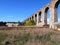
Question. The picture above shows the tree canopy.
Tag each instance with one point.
(29, 23)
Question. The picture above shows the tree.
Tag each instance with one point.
(30, 23)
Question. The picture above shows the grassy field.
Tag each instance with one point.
(29, 36)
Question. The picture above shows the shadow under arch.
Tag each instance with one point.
(40, 16)
(36, 18)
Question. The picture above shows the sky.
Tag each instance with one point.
(19, 10)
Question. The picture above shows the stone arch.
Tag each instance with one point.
(32, 18)
(47, 15)
(40, 16)
(46, 9)
(57, 3)
(35, 18)
(56, 10)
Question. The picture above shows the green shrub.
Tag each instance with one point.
(30, 23)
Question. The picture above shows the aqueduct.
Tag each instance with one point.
(40, 17)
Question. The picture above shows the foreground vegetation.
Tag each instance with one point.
(28, 37)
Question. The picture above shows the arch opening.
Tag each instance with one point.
(35, 18)
(47, 17)
(32, 18)
(57, 11)
(40, 17)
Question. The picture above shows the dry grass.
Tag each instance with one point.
(32, 36)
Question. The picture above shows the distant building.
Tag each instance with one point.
(12, 24)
